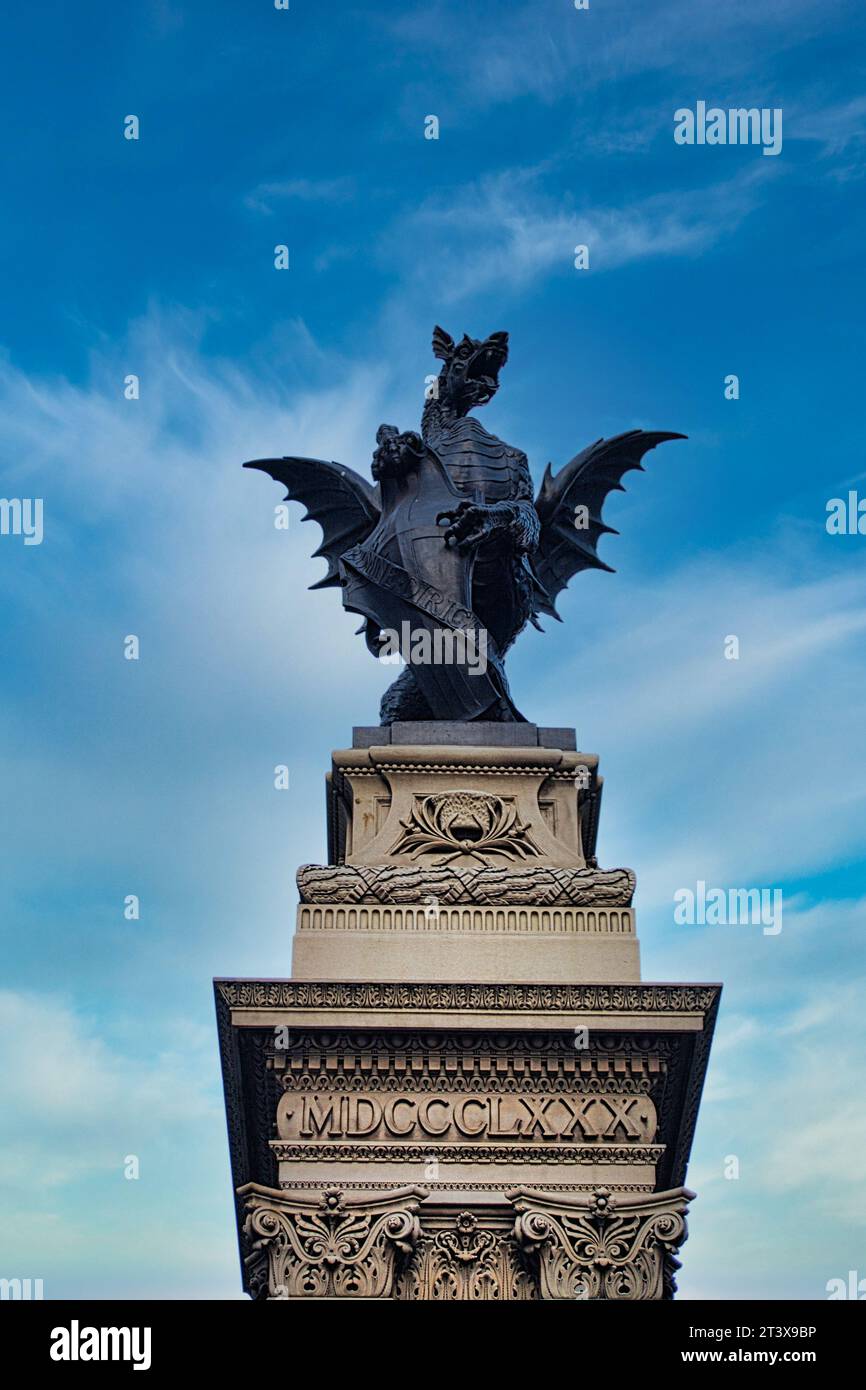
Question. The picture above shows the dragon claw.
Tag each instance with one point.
(470, 524)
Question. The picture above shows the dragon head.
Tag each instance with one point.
(470, 371)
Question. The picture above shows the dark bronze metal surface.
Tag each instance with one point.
(448, 543)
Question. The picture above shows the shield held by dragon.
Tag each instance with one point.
(448, 542)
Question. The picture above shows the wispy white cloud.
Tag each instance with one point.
(742, 748)
(546, 50)
(505, 229)
(839, 131)
(77, 1106)
(784, 1103)
(104, 1100)
(265, 195)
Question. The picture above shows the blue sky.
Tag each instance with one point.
(155, 777)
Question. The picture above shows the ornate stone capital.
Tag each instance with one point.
(602, 1246)
(328, 1245)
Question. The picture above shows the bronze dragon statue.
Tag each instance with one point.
(446, 555)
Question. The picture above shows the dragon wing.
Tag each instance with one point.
(345, 505)
(564, 549)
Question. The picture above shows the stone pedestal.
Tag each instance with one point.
(464, 1091)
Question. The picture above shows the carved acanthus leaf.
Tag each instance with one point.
(602, 1246)
(332, 1247)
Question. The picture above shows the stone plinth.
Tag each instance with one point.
(463, 861)
(464, 1091)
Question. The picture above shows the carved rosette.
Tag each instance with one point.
(337, 1248)
(603, 1247)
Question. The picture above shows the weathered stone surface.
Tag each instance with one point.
(464, 861)
(478, 1117)
(474, 919)
(467, 1256)
(345, 941)
(460, 1141)
(326, 1246)
(482, 885)
(644, 1004)
(464, 805)
(603, 1246)
(594, 1245)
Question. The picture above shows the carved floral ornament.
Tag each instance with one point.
(598, 1247)
(648, 999)
(468, 823)
(604, 1251)
(338, 1250)
(467, 1263)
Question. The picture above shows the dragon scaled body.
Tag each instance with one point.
(449, 541)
